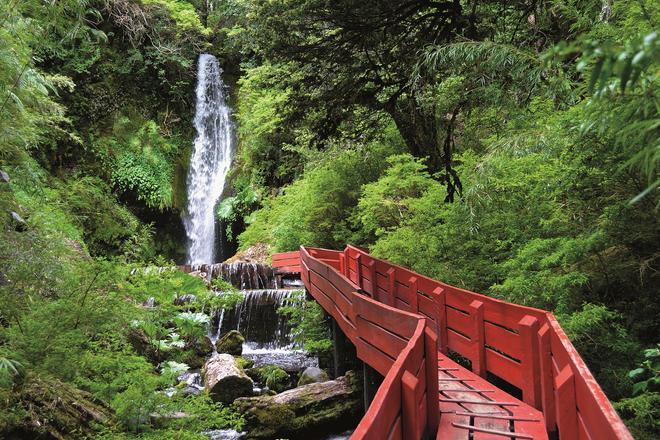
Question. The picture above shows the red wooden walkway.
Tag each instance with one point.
(404, 325)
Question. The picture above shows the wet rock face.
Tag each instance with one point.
(240, 274)
(312, 375)
(303, 412)
(231, 343)
(225, 380)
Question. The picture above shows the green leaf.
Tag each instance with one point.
(595, 73)
(639, 388)
(635, 373)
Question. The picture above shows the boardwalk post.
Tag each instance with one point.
(358, 270)
(391, 286)
(566, 406)
(338, 349)
(440, 298)
(431, 364)
(528, 327)
(412, 282)
(370, 384)
(372, 274)
(410, 419)
(547, 388)
(479, 349)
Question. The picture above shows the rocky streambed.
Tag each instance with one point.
(248, 360)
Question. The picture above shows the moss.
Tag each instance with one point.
(48, 407)
(231, 343)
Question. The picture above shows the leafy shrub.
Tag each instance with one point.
(308, 325)
(316, 209)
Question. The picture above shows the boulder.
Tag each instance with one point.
(184, 299)
(19, 224)
(150, 303)
(273, 376)
(312, 375)
(204, 346)
(225, 380)
(4, 177)
(231, 343)
(304, 412)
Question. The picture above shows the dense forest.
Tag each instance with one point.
(507, 147)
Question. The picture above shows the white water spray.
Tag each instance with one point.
(210, 160)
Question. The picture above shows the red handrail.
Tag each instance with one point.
(395, 343)
(521, 345)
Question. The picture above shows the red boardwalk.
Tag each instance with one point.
(405, 326)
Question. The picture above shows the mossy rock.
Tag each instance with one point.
(245, 364)
(231, 343)
(273, 376)
(304, 412)
(48, 408)
(312, 375)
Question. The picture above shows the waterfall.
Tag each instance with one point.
(210, 160)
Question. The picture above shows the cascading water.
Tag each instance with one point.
(210, 160)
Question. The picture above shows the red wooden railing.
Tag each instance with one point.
(286, 262)
(399, 320)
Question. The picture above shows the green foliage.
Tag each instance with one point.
(274, 377)
(385, 204)
(134, 405)
(184, 15)
(642, 415)
(313, 210)
(192, 325)
(308, 325)
(647, 375)
(143, 164)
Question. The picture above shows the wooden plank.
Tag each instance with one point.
(412, 294)
(459, 322)
(431, 359)
(583, 431)
(385, 409)
(458, 343)
(502, 340)
(396, 432)
(396, 321)
(380, 338)
(566, 407)
(529, 362)
(410, 387)
(371, 355)
(293, 261)
(288, 269)
(478, 346)
(504, 367)
(285, 255)
(391, 286)
(547, 383)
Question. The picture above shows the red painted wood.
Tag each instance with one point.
(547, 382)
(412, 424)
(566, 407)
(502, 340)
(524, 346)
(459, 321)
(530, 369)
(384, 340)
(478, 347)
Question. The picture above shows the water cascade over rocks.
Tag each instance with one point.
(210, 160)
(244, 276)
